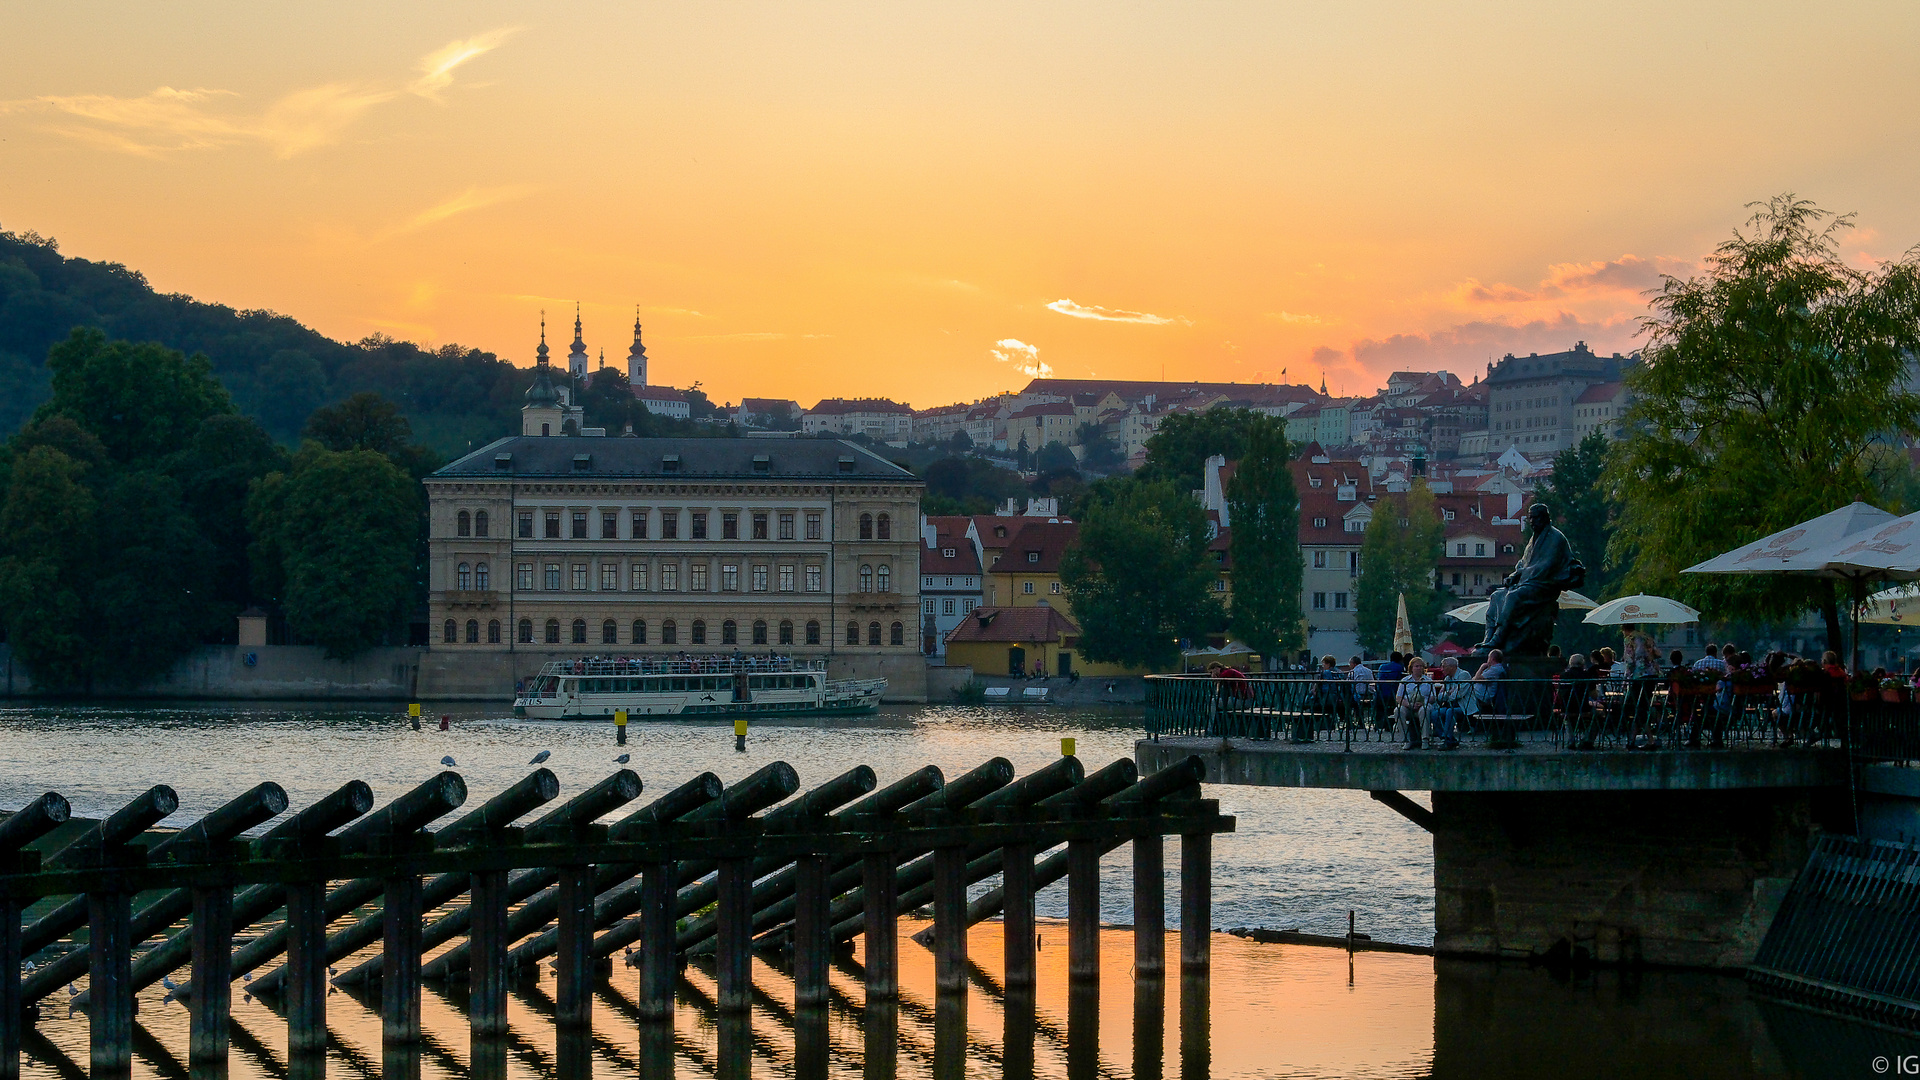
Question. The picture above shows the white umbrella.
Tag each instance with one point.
(1891, 552)
(1402, 629)
(1796, 550)
(1893, 607)
(1477, 612)
(1641, 608)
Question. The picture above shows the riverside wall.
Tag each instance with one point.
(462, 675)
(259, 673)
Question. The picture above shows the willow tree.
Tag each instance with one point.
(1264, 510)
(1771, 386)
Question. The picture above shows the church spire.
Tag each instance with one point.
(577, 355)
(637, 355)
(542, 352)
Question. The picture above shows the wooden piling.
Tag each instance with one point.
(881, 927)
(658, 963)
(110, 973)
(1196, 903)
(949, 919)
(487, 947)
(811, 924)
(812, 1049)
(1149, 1027)
(210, 1006)
(1083, 911)
(11, 1020)
(306, 984)
(734, 958)
(573, 966)
(880, 1026)
(400, 970)
(1016, 877)
(1149, 908)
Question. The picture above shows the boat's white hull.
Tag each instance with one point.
(837, 699)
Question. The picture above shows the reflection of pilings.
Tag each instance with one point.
(349, 801)
(1196, 1048)
(880, 1025)
(1083, 1030)
(950, 1033)
(1018, 1011)
(1149, 1027)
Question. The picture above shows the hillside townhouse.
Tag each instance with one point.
(951, 582)
(876, 418)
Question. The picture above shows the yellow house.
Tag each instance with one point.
(1021, 641)
(1026, 573)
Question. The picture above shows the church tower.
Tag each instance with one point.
(577, 357)
(637, 355)
(543, 413)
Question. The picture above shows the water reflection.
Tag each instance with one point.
(1266, 1010)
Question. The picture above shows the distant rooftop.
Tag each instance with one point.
(575, 456)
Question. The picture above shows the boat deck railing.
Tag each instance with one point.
(722, 664)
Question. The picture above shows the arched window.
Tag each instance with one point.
(526, 631)
(482, 580)
(866, 526)
(898, 635)
(873, 633)
(669, 633)
(473, 631)
(698, 634)
(609, 633)
(553, 631)
(449, 633)
(579, 631)
(853, 633)
(639, 631)
(464, 576)
(759, 631)
(493, 631)
(480, 525)
(786, 631)
(729, 633)
(464, 526)
(813, 633)
(886, 527)
(866, 578)
(885, 583)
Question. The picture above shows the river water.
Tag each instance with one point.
(1299, 859)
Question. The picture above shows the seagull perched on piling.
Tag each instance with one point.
(167, 982)
(540, 757)
(623, 759)
(448, 761)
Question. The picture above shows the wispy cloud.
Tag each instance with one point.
(1293, 317)
(474, 198)
(436, 68)
(1089, 311)
(1025, 358)
(167, 120)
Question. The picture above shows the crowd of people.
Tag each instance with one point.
(1633, 696)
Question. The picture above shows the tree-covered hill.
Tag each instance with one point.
(275, 369)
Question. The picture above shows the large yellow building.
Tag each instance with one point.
(1023, 641)
(1026, 572)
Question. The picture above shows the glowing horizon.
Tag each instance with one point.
(932, 204)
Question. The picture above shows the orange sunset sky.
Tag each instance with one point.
(934, 202)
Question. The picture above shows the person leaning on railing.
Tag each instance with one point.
(1585, 710)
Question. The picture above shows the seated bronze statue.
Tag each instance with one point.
(1520, 617)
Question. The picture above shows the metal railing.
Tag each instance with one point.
(1580, 714)
(717, 664)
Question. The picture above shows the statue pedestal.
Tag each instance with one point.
(1527, 697)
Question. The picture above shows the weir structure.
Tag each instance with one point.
(1601, 822)
(704, 868)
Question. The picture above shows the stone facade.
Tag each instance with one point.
(564, 546)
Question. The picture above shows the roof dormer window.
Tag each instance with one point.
(1033, 556)
(946, 553)
(583, 463)
(670, 463)
(503, 462)
(846, 464)
(762, 463)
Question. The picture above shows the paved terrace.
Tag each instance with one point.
(1538, 766)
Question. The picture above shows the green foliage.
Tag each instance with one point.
(1769, 381)
(1102, 451)
(1056, 458)
(1139, 579)
(141, 401)
(1265, 544)
(276, 369)
(337, 536)
(1178, 452)
(150, 585)
(368, 421)
(968, 485)
(43, 569)
(1398, 556)
(1577, 495)
(215, 472)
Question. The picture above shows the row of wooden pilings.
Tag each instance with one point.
(803, 874)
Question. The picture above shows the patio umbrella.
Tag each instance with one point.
(1892, 607)
(1857, 543)
(1402, 629)
(1477, 612)
(1641, 608)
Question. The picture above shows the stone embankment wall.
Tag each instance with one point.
(458, 675)
(262, 673)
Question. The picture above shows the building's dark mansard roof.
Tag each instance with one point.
(576, 457)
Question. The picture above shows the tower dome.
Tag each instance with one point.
(637, 354)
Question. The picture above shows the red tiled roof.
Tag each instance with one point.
(1019, 625)
(962, 561)
(659, 393)
(1598, 392)
(1049, 539)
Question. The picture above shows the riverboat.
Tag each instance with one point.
(701, 687)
